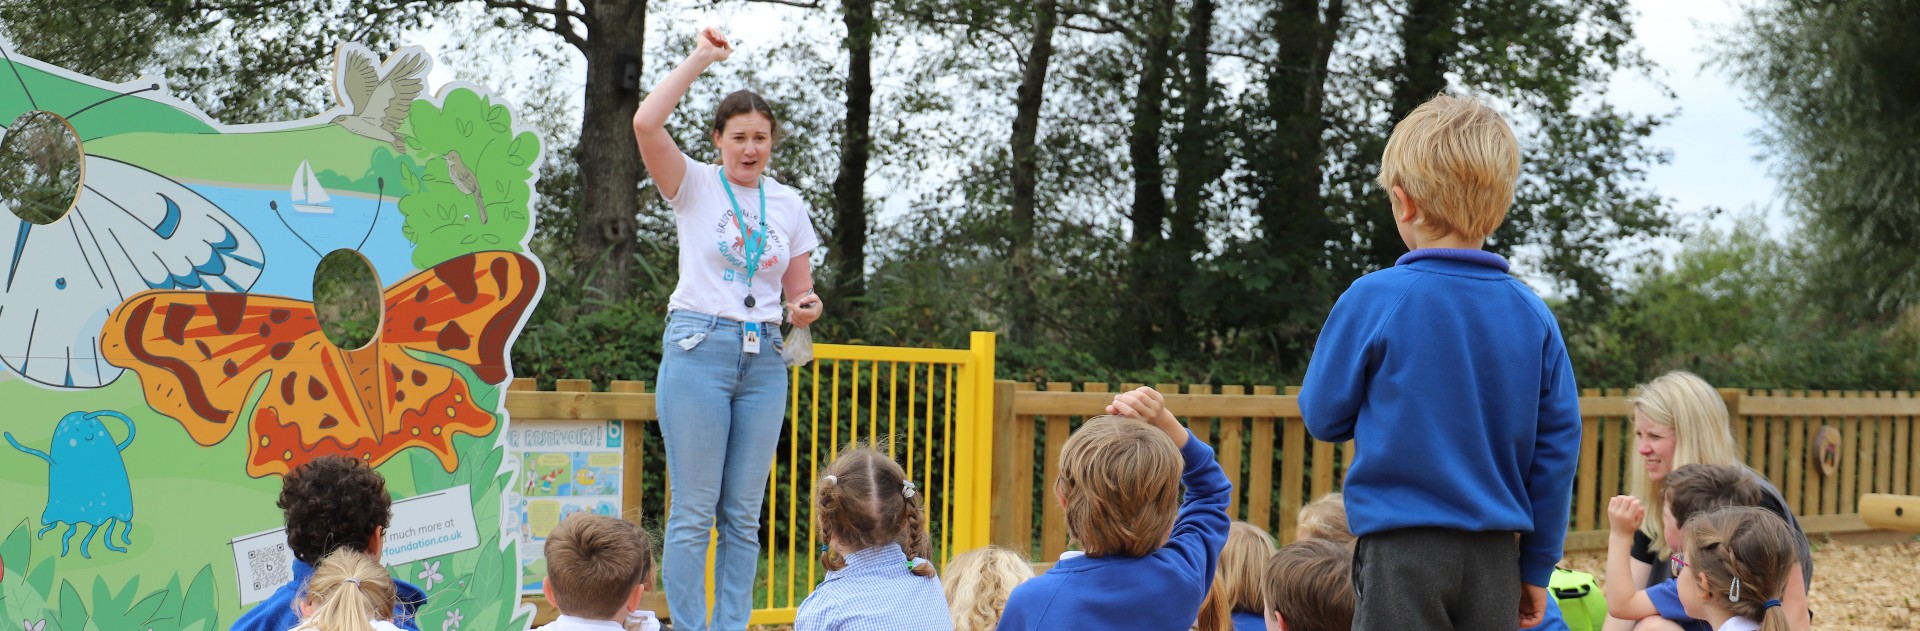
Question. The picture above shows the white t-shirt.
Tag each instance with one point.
(570, 623)
(712, 253)
(378, 625)
(1740, 623)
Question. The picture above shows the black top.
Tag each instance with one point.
(1643, 545)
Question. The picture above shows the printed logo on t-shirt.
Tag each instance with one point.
(733, 246)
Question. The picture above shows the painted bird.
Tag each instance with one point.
(466, 181)
(380, 101)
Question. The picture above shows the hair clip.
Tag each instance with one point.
(355, 581)
(915, 562)
(1733, 591)
(823, 548)
(907, 489)
(829, 479)
(1770, 604)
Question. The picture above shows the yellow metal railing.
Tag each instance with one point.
(936, 406)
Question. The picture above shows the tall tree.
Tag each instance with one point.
(1834, 83)
(1045, 17)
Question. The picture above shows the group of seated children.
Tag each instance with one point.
(1736, 562)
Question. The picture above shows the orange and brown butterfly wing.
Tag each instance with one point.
(199, 354)
(465, 309)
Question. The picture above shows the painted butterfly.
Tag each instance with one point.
(209, 359)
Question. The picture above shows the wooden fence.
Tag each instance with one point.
(1276, 467)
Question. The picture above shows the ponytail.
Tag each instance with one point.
(349, 590)
(1746, 555)
(864, 500)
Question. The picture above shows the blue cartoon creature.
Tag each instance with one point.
(86, 479)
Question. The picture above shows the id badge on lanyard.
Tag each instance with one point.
(754, 244)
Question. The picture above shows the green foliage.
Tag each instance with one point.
(1834, 82)
(27, 594)
(480, 585)
(442, 221)
(1737, 308)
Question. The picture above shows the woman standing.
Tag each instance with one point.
(745, 242)
(1678, 420)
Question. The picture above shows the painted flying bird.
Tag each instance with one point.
(466, 181)
(380, 102)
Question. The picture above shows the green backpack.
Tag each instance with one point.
(1581, 603)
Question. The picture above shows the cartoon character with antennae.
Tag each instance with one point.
(86, 479)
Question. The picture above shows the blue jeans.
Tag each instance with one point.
(720, 415)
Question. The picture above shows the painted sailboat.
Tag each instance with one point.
(308, 196)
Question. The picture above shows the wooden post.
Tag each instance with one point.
(633, 459)
(1012, 473)
(1891, 512)
(1292, 472)
(1053, 518)
(1260, 463)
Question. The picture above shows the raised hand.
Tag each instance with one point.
(712, 45)
(1624, 513)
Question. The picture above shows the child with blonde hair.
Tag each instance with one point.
(875, 550)
(1452, 380)
(348, 591)
(1150, 553)
(1324, 518)
(977, 583)
(1736, 568)
(1234, 602)
(598, 568)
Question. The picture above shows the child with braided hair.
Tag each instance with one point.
(878, 578)
(1736, 568)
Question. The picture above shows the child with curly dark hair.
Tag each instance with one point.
(332, 503)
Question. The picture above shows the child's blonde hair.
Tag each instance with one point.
(1120, 479)
(1458, 160)
(1747, 555)
(594, 562)
(1324, 518)
(978, 582)
(864, 499)
(1310, 584)
(1238, 578)
(1696, 413)
(348, 591)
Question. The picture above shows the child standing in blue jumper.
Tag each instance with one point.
(1452, 380)
(1150, 554)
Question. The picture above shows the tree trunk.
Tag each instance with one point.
(1429, 37)
(1296, 92)
(1026, 127)
(848, 252)
(1197, 161)
(609, 160)
(1150, 266)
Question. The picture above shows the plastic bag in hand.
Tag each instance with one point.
(799, 346)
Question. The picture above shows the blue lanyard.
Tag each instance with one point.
(753, 245)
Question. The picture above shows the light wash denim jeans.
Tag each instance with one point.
(720, 415)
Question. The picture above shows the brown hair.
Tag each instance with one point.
(1310, 583)
(978, 582)
(740, 103)
(1458, 160)
(1325, 518)
(1700, 488)
(1237, 578)
(1749, 545)
(593, 562)
(1120, 479)
(864, 500)
(348, 590)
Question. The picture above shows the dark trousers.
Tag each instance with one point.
(1435, 578)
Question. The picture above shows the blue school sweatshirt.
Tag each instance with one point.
(277, 612)
(1452, 380)
(1160, 591)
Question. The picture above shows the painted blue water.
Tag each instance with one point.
(294, 241)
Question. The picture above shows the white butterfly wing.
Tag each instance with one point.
(132, 230)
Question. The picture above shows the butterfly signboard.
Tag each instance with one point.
(162, 361)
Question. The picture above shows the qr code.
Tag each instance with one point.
(269, 567)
